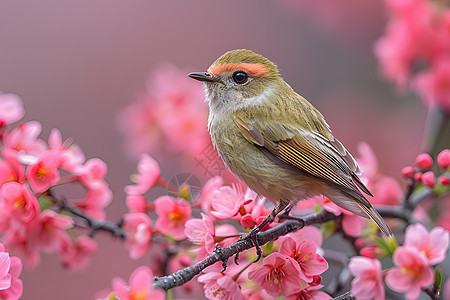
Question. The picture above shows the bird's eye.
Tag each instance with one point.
(240, 77)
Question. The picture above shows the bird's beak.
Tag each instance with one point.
(203, 76)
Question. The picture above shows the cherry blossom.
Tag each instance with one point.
(172, 215)
(139, 229)
(368, 282)
(411, 274)
(279, 275)
(139, 286)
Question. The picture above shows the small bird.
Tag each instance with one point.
(275, 141)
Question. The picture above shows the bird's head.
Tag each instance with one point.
(238, 79)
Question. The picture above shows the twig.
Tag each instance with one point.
(182, 276)
(94, 224)
(346, 296)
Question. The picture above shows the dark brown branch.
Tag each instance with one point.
(94, 224)
(182, 276)
(346, 296)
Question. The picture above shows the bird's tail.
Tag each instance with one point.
(375, 216)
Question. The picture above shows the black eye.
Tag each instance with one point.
(240, 77)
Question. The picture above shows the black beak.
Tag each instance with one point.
(202, 76)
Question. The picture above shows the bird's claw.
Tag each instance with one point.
(218, 250)
(252, 236)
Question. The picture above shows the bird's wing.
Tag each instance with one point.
(309, 153)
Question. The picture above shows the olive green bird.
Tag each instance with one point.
(275, 141)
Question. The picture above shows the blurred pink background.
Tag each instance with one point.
(77, 64)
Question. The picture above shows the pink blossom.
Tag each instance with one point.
(149, 172)
(310, 233)
(49, 231)
(428, 179)
(219, 285)
(6, 172)
(445, 181)
(24, 140)
(172, 215)
(412, 272)
(207, 192)
(136, 203)
(139, 287)
(228, 201)
(279, 275)
(76, 254)
(310, 292)
(11, 109)
(201, 232)
(408, 172)
(17, 201)
(11, 286)
(434, 85)
(139, 234)
(98, 194)
(443, 159)
(167, 116)
(424, 161)
(303, 251)
(433, 244)
(44, 173)
(368, 282)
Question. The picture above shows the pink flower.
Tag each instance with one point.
(201, 232)
(139, 287)
(368, 282)
(408, 172)
(424, 161)
(309, 293)
(17, 201)
(434, 85)
(428, 179)
(139, 229)
(303, 251)
(50, 230)
(433, 244)
(98, 194)
(173, 214)
(443, 159)
(278, 276)
(149, 172)
(207, 192)
(310, 233)
(218, 285)
(136, 203)
(6, 172)
(44, 173)
(228, 201)
(24, 140)
(412, 272)
(11, 286)
(11, 109)
(76, 254)
(167, 116)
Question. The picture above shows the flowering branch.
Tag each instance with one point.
(223, 254)
(113, 227)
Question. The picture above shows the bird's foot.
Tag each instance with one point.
(252, 236)
(218, 250)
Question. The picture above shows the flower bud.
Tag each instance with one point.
(424, 161)
(443, 159)
(408, 172)
(444, 181)
(418, 177)
(428, 179)
(247, 221)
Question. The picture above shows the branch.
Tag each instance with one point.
(182, 276)
(94, 224)
(346, 296)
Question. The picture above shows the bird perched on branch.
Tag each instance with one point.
(275, 141)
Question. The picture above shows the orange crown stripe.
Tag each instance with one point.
(251, 69)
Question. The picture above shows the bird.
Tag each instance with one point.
(275, 141)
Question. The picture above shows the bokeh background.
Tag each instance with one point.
(78, 64)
